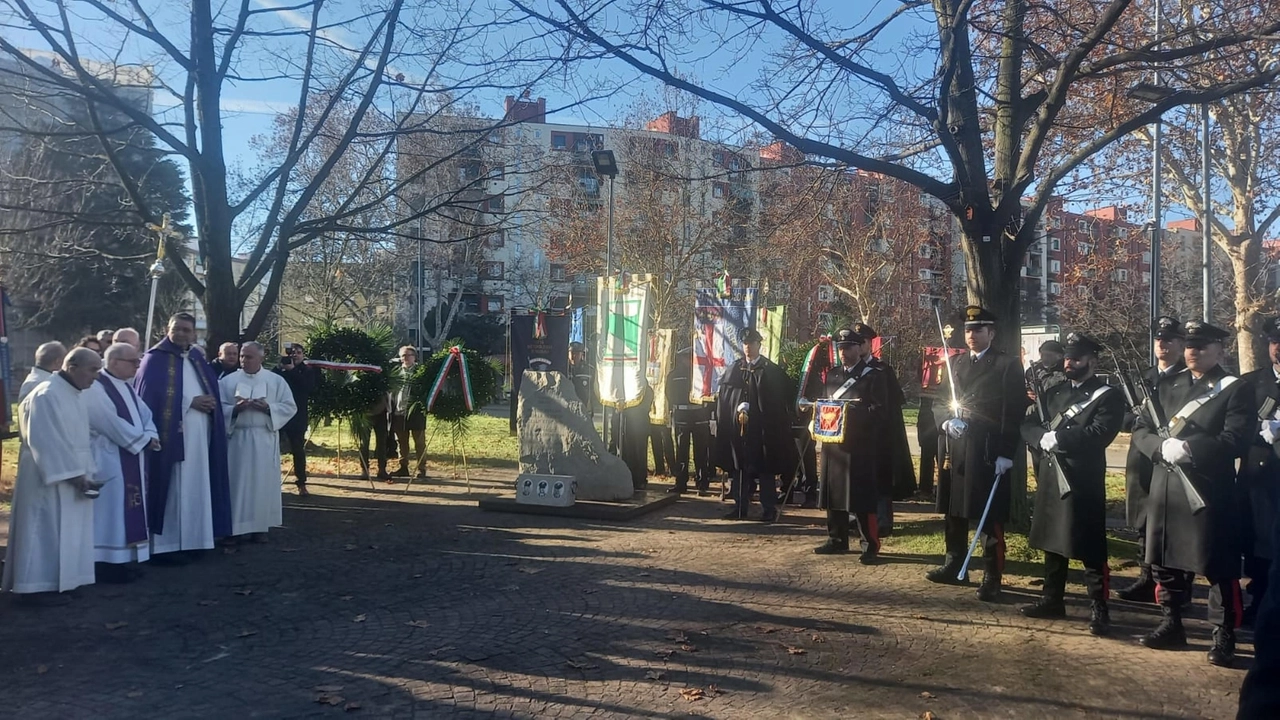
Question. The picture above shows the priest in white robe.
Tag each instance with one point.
(49, 358)
(122, 429)
(257, 403)
(51, 526)
(188, 498)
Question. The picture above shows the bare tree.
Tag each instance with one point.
(988, 119)
(372, 61)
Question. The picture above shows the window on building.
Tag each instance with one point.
(926, 275)
(491, 270)
(1084, 248)
(925, 302)
(1082, 226)
(1122, 275)
(497, 239)
(1146, 278)
(1055, 244)
(1055, 222)
(1055, 288)
(781, 290)
(1055, 266)
(498, 172)
(826, 293)
(558, 272)
(559, 141)
(926, 251)
(717, 158)
(718, 190)
(493, 304)
(495, 204)
(735, 163)
(1146, 258)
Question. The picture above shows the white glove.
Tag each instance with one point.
(1270, 431)
(1003, 465)
(713, 424)
(955, 428)
(1175, 451)
(1049, 441)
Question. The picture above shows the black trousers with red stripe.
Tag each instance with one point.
(838, 528)
(869, 529)
(991, 537)
(1173, 589)
(1097, 578)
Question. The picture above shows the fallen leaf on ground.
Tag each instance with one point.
(228, 551)
(373, 547)
(766, 630)
(576, 665)
(346, 597)
(419, 575)
(333, 700)
(688, 648)
(664, 654)
(348, 546)
(359, 618)
(328, 688)
(590, 591)
(116, 625)
(714, 690)
(654, 675)
(247, 633)
(692, 694)
(288, 549)
(818, 638)
(644, 574)
(918, 617)
(927, 695)
(680, 637)
(352, 706)
(244, 591)
(133, 694)
(42, 669)
(207, 603)
(796, 651)
(928, 715)
(418, 623)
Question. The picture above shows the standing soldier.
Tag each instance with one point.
(1168, 346)
(753, 436)
(982, 438)
(692, 423)
(898, 473)
(583, 377)
(1211, 421)
(1085, 416)
(852, 430)
(1260, 477)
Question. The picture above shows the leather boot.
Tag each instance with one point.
(1100, 619)
(832, 547)
(989, 590)
(1143, 589)
(1224, 647)
(1169, 634)
(948, 573)
(1045, 608)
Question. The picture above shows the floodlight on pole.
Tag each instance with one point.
(607, 166)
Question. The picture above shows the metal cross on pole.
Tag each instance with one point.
(163, 232)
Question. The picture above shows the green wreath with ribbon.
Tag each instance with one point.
(452, 384)
(341, 394)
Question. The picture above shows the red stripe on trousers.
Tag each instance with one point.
(873, 530)
(1237, 604)
(1106, 581)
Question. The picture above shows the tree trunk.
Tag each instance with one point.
(1246, 269)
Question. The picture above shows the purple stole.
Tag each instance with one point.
(135, 516)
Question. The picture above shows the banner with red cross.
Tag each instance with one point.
(718, 323)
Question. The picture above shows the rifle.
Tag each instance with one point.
(1052, 424)
(1145, 404)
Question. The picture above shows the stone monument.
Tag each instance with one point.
(557, 438)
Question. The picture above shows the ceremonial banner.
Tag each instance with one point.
(829, 418)
(622, 324)
(656, 373)
(539, 341)
(577, 325)
(6, 362)
(717, 324)
(770, 322)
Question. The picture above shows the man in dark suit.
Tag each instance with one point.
(692, 422)
(851, 467)
(1086, 416)
(301, 379)
(754, 406)
(1168, 346)
(1213, 420)
(1259, 477)
(982, 439)
(898, 470)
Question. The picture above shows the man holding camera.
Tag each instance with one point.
(301, 379)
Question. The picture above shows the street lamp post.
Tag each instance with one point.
(1206, 229)
(606, 165)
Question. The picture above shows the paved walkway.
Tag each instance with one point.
(380, 604)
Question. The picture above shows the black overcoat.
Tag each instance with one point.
(1137, 467)
(1075, 527)
(771, 395)
(1259, 477)
(1218, 433)
(898, 468)
(993, 402)
(852, 470)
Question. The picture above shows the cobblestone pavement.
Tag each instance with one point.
(382, 604)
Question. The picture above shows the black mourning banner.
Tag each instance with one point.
(539, 341)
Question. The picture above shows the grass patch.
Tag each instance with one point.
(486, 443)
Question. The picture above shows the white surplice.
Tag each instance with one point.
(253, 450)
(34, 378)
(110, 433)
(188, 511)
(51, 526)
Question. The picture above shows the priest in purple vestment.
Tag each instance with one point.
(188, 493)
